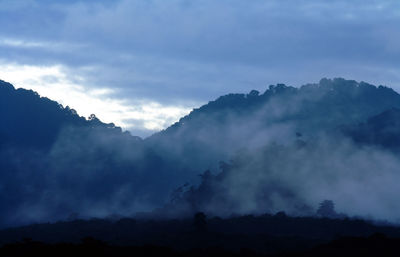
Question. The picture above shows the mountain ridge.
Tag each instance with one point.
(26, 116)
(68, 164)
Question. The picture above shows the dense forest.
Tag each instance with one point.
(264, 235)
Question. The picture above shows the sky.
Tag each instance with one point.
(143, 64)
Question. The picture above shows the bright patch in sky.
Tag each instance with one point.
(28, 44)
(137, 115)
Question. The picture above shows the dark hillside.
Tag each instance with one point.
(284, 148)
(234, 121)
(31, 121)
(382, 130)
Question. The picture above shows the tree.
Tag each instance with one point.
(327, 209)
(200, 222)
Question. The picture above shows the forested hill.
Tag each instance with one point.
(330, 102)
(280, 151)
(54, 162)
(234, 121)
(28, 120)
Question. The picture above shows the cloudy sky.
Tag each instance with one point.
(142, 64)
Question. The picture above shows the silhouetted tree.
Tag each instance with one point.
(281, 215)
(327, 209)
(200, 222)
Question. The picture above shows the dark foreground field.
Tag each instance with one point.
(266, 235)
(376, 245)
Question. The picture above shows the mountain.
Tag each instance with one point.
(31, 121)
(288, 149)
(235, 121)
(54, 162)
(328, 104)
(285, 149)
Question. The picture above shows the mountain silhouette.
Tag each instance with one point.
(237, 121)
(55, 163)
(31, 121)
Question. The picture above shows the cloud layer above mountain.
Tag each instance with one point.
(179, 54)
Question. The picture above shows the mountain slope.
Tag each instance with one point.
(234, 121)
(382, 130)
(54, 162)
(29, 120)
(286, 147)
(330, 102)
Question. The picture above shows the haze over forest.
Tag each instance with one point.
(199, 128)
(284, 149)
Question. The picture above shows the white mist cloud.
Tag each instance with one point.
(40, 45)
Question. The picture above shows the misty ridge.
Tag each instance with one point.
(286, 149)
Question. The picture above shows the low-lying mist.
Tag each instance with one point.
(286, 149)
(361, 180)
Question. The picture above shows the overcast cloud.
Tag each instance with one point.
(167, 57)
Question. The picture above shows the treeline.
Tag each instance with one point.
(266, 235)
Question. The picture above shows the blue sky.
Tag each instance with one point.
(144, 63)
